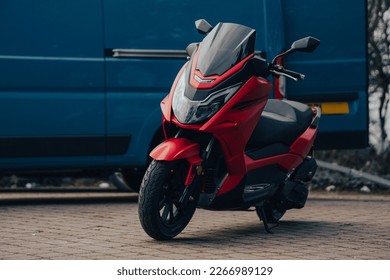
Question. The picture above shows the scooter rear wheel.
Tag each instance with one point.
(161, 212)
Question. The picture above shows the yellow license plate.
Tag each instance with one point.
(333, 108)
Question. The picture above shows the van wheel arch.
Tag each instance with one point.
(133, 177)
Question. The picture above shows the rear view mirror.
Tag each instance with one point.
(307, 44)
(203, 26)
(191, 48)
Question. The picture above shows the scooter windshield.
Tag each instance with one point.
(225, 46)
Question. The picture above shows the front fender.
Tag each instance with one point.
(177, 148)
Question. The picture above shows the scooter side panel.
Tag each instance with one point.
(305, 142)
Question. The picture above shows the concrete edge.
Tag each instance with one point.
(64, 198)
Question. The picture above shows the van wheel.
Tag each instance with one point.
(133, 178)
(126, 182)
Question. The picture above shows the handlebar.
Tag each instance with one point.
(279, 70)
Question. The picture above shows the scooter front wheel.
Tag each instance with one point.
(163, 207)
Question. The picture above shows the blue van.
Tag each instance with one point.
(81, 80)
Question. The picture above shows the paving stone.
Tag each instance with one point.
(336, 227)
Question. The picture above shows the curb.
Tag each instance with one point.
(65, 198)
(354, 196)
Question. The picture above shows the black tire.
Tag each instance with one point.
(161, 213)
(270, 212)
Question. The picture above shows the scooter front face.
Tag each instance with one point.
(228, 130)
(223, 102)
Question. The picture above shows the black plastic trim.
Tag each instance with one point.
(63, 146)
(268, 151)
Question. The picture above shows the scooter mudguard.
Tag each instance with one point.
(179, 148)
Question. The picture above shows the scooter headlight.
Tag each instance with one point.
(189, 111)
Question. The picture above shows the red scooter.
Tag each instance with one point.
(227, 145)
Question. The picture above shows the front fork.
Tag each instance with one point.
(182, 148)
(195, 172)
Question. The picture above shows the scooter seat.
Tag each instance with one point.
(282, 122)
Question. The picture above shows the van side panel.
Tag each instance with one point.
(67, 102)
(336, 71)
(52, 100)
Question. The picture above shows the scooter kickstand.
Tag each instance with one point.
(265, 223)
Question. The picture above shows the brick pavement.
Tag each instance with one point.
(347, 227)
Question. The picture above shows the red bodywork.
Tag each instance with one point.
(232, 126)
